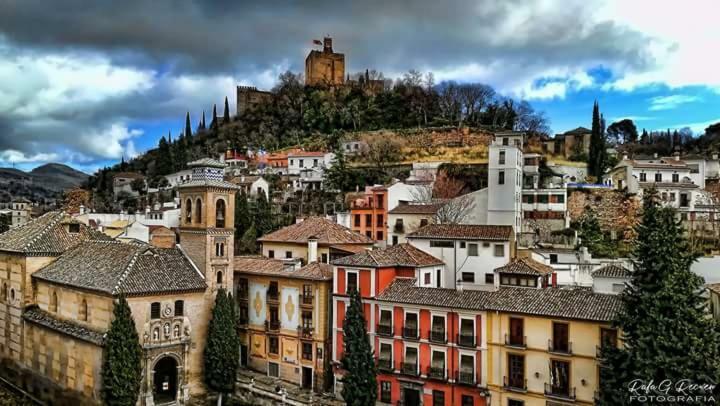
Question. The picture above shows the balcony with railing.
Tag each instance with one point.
(305, 331)
(272, 325)
(306, 300)
(385, 330)
(515, 341)
(385, 365)
(515, 384)
(560, 393)
(437, 373)
(466, 377)
(560, 347)
(410, 368)
(438, 336)
(465, 340)
(410, 332)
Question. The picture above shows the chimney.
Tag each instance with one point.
(715, 156)
(327, 45)
(625, 157)
(312, 249)
(82, 209)
(655, 155)
(677, 156)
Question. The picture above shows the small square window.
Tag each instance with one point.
(288, 254)
(271, 254)
(462, 244)
(428, 278)
(468, 277)
(490, 278)
(499, 250)
(472, 250)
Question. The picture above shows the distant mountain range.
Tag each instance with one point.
(42, 182)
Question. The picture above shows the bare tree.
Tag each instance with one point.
(474, 97)
(447, 187)
(454, 211)
(384, 150)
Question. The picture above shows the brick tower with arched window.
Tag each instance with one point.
(207, 222)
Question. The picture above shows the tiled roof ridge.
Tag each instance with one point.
(60, 215)
(128, 267)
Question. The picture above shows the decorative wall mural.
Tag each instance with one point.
(258, 312)
(290, 297)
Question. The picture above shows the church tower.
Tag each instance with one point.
(207, 223)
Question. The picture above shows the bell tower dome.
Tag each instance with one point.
(207, 223)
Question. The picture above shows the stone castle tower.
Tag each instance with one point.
(207, 222)
(325, 67)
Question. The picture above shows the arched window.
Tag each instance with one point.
(179, 308)
(220, 213)
(53, 302)
(219, 249)
(12, 294)
(83, 311)
(219, 277)
(188, 211)
(198, 211)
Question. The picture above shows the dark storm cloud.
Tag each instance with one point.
(211, 36)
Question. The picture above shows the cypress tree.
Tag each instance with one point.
(164, 162)
(359, 382)
(248, 241)
(226, 113)
(263, 215)
(242, 215)
(596, 158)
(213, 123)
(667, 330)
(188, 129)
(122, 358)
(202, 121)
(221, 350)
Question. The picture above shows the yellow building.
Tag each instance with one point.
(284, 317)
(331, 241)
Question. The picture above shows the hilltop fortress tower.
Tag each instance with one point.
(325, 67)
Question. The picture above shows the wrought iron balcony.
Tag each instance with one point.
(466, 377)
(515, 384)
(516, 341)
(384, 330)
(566, 393)
(272, 325)
(465, 340)
(410, 368)
(410, 332)
(305, 331)
(557, 347)
(437, 373)
(385, 364)
(306, 300)
(438, 336)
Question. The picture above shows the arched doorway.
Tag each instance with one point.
(165, 380)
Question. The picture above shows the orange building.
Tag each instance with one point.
(369, 213)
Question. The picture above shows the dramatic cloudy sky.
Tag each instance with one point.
(86, 82)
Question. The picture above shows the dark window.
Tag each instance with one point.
(468, 277)
(467, 400)
(428, 278)
(179, 308)
(516, 371)
(220, 213)
(501, 158)
(198, 211)
(542, 198)
(380, 236)
(438, 398)
(499, 250)
(380, 220)
(490, 278)
(505, 141)
(423, 222)
(561, 198)
(324, 258)
(394, 240)
(501, 178)
(273, 369)
(442, 244)
(513, 402)
(472, 250)
(658, 177)
(675, 178)
(307, 351)
(385, 391)
(462, 244)
(188, 211)
(273, 345)
(271, 254)
(352, 282)
(288, 254)
(553, 258)
(560, 385)
(74, 228)
(368, 220)
(155, 310)
(643, 177)
(357, 220)
(307, 320)
(560, 337)
(368, 234)
(274, 317)
(517, 331)
(219, 277)
(608, 337)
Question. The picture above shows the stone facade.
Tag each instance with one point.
(325, 67)
(249, 97)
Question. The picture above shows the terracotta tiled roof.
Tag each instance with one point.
(525, 266)
(206, 162)
(244, 180)
(112, 267)
(569, 303)
(612, 271)
(355, 249)
(668, 185)
(427, 208)
(464, 231)
(396, 255)
(257, 265)
(326, 232)
(47, 234)
(37, 316)
(307, 153)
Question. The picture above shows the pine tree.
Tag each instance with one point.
(596, 158)
(188, 128)
(226, 113)
(359, 382)
(248, 241)
(213, 123)
(221, 356)
(243, 220)
(122, 359)
(667, 331)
